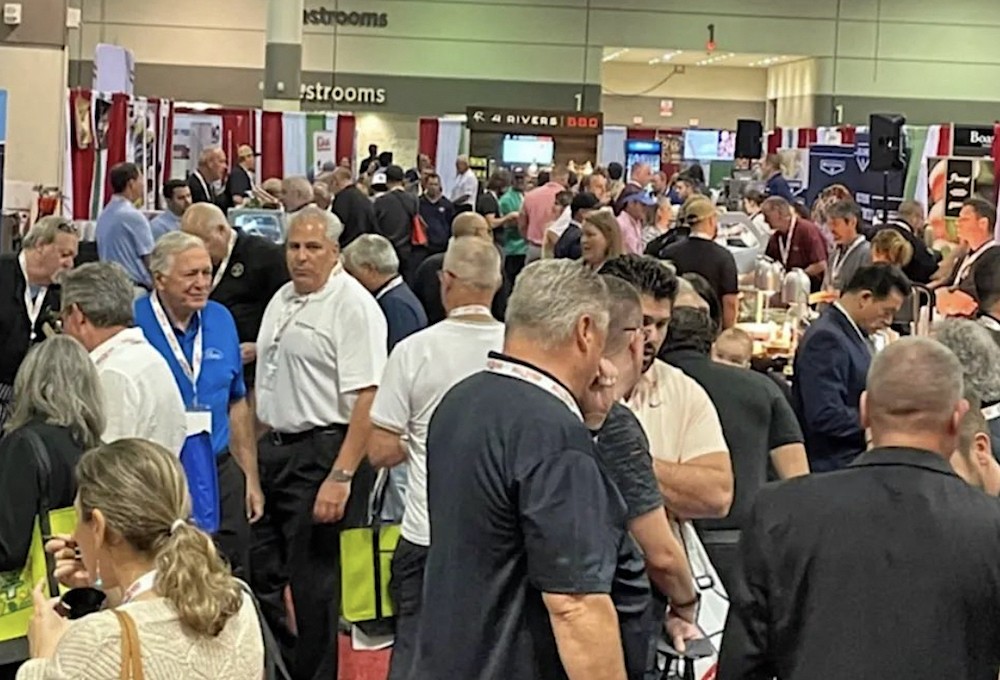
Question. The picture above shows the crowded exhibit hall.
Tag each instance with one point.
(531, 341)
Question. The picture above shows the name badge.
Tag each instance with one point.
(198, 422)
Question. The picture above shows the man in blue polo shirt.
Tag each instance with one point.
(199, 340)
(123, 233)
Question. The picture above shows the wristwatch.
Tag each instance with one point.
(342, 476)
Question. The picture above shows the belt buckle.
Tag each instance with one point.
(276, 438)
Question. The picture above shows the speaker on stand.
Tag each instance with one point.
(887, 152)
(749, 136)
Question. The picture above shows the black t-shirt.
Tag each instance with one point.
(394, 212)
(256, 270)
(624, 449)
(924, 262)
(568, 245)
(356, 212)
(487, 204)
(438, 216)
(519, 505)
(427, 286)
(708, 258)
(756, 418)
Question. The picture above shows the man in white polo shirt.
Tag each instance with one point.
(421, 369)
(321, 352)
(141, 398)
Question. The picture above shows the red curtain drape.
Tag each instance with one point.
(271, 159)
(427, 140)
(117, 138)
(774, 140)
(806, 137)
(848, 134)
(944, 141)
(168, 158)
(237, 129)
(81, 159)
(346, 126)
(640, 133)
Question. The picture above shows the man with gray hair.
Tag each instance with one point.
(901, 556)
(207, 181)
(372, 260)
(141, 399)
(420, 371)
(466, 188)
(296, 194)
(198, 338)
(529, 532)
(29, 294)
(322, 349)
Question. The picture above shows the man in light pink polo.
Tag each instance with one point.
(538, 211)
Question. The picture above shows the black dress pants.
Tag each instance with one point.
(406, 589)
(233, 537)
(289, 548)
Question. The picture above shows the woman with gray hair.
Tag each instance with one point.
(980, 359)
(59, 407)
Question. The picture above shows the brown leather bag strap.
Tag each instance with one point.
(131, 668)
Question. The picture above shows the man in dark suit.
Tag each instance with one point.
(888, 569)
(832, 363)
(240, 184)
(212, 167)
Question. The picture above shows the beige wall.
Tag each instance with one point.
(696, 82)
(35, 78)
(793, 88)
(389, 132)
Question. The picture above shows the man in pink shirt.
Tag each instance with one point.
(538, 210)
(632, 218)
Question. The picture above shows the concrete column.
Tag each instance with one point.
(283, 55)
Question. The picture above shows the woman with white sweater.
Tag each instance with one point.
(174, 608)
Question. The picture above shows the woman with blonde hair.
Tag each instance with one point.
(600, 239)
(175, 608)
(890, 246)
(57, 406)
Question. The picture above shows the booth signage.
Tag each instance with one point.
(959, 186)
(331, 17)
(335, 94)
(973, 140)
(527, 121)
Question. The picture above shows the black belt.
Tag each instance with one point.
(287, 438)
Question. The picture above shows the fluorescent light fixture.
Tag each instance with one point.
(615, 54)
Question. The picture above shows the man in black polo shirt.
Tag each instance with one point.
(394, 212)
(529, 553)
(249, 270)
(352, 206)
(438, 213)
(758, 422)
(700, 254)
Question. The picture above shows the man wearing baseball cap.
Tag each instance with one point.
(700, 254)
(634, 215)
(241, 179)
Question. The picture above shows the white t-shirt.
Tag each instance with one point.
(141, 398)
(466, 184)
(677, 414)
(316, 351)
(420, 371)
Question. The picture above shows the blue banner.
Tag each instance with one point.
(849, 166)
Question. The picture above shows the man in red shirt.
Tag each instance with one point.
(796, 243)
(539, 210)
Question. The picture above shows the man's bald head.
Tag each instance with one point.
(471, 224)
(208, 222)
(914, 395)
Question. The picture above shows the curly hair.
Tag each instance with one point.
(976, 351)
(647, 274)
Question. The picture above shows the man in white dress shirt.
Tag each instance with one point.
(466, 189)
(141, 398)
(320, 356)
(421, 369)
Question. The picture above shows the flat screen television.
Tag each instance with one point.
(709, 145)
(528, 149)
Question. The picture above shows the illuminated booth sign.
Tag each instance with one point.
(528, 121)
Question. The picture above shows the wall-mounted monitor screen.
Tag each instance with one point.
(709, 145)
(528, 149)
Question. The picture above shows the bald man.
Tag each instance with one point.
(248, 271)
(427, 280)
(239, 186)
(207, 182)
(888, 568)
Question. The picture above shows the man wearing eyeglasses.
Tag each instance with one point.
(29, 294)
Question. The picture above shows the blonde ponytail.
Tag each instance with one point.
(141, 490)
(194, 579)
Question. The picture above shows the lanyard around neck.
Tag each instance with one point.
(840, 257)
(143, 584)
(111, 345)
(469, 311)
(191, 370)
(786, 247)
(971, 258)
(225, 263)
(536, 378)
(33, 307)
(209, 194)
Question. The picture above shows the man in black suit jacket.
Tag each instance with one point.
(832, 362)
(889, 569)
(212, 167)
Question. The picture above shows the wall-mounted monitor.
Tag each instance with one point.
(709, 145)
(528, 149)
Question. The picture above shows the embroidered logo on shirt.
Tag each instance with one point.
(237, 270)
(214, 354)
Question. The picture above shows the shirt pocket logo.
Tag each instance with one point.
(214, 354)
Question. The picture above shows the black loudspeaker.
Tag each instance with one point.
(887, 142)
(749, 139)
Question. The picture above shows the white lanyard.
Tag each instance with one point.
(991, 412)
(839, 257)
(192, 370)
(33, 307)
(103, 356)
(225, 263)
(470, 310)
(395, 283)
(989, 323)
(971, 258)
(786, 248)
(209, 194)
(143, 584)
(537, 378)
